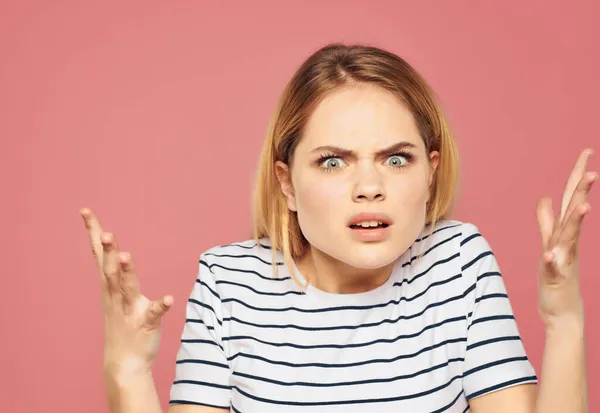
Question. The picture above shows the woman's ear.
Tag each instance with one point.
(434, 161)
(282, 171)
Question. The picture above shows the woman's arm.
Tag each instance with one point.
(137, 394)
(132, 336)
(563, 384)
(131, 393)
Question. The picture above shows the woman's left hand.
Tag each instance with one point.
(559, 296)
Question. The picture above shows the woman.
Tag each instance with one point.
(357, 292)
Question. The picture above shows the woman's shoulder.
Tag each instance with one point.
(461, 240)
(245, 251)
(457, 226)
(470, 247)
(460, 247)
(447, 230)
(244, 260)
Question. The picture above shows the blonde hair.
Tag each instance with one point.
(331, 67)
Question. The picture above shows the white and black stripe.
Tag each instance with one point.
(440, 332)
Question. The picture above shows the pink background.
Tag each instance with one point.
(153, 114)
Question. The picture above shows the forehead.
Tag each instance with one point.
(360, 117)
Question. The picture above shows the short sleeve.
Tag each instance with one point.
(202, 371)
(495, 356)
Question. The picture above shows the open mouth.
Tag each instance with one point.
(369, 225)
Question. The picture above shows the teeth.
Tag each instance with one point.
(368, 224)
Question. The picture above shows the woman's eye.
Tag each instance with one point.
(332, 163)
(397, 160)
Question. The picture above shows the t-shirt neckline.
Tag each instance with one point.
(376, 295)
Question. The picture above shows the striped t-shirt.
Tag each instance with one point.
(439, 332)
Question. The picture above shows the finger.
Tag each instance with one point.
(549, 266)
(576, 175)
(158, 309)
(94, 230)
(130, 286)
(110, 266)
(582, 191)
(545, 218)
(569, 234)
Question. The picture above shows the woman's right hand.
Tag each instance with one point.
(131, 321)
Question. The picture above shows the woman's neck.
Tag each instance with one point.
(333, 276)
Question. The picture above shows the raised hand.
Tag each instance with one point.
(559, 296)
(131, 321)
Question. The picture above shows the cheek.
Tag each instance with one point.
(409, 198)
(319, 200)
(413, 193)
(413, 189)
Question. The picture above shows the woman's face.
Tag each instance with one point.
(360, 162)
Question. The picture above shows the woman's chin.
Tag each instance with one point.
(369, 256)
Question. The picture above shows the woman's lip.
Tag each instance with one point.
(369, 217)
(373, 234)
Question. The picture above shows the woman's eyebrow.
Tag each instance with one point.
(347, 152)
